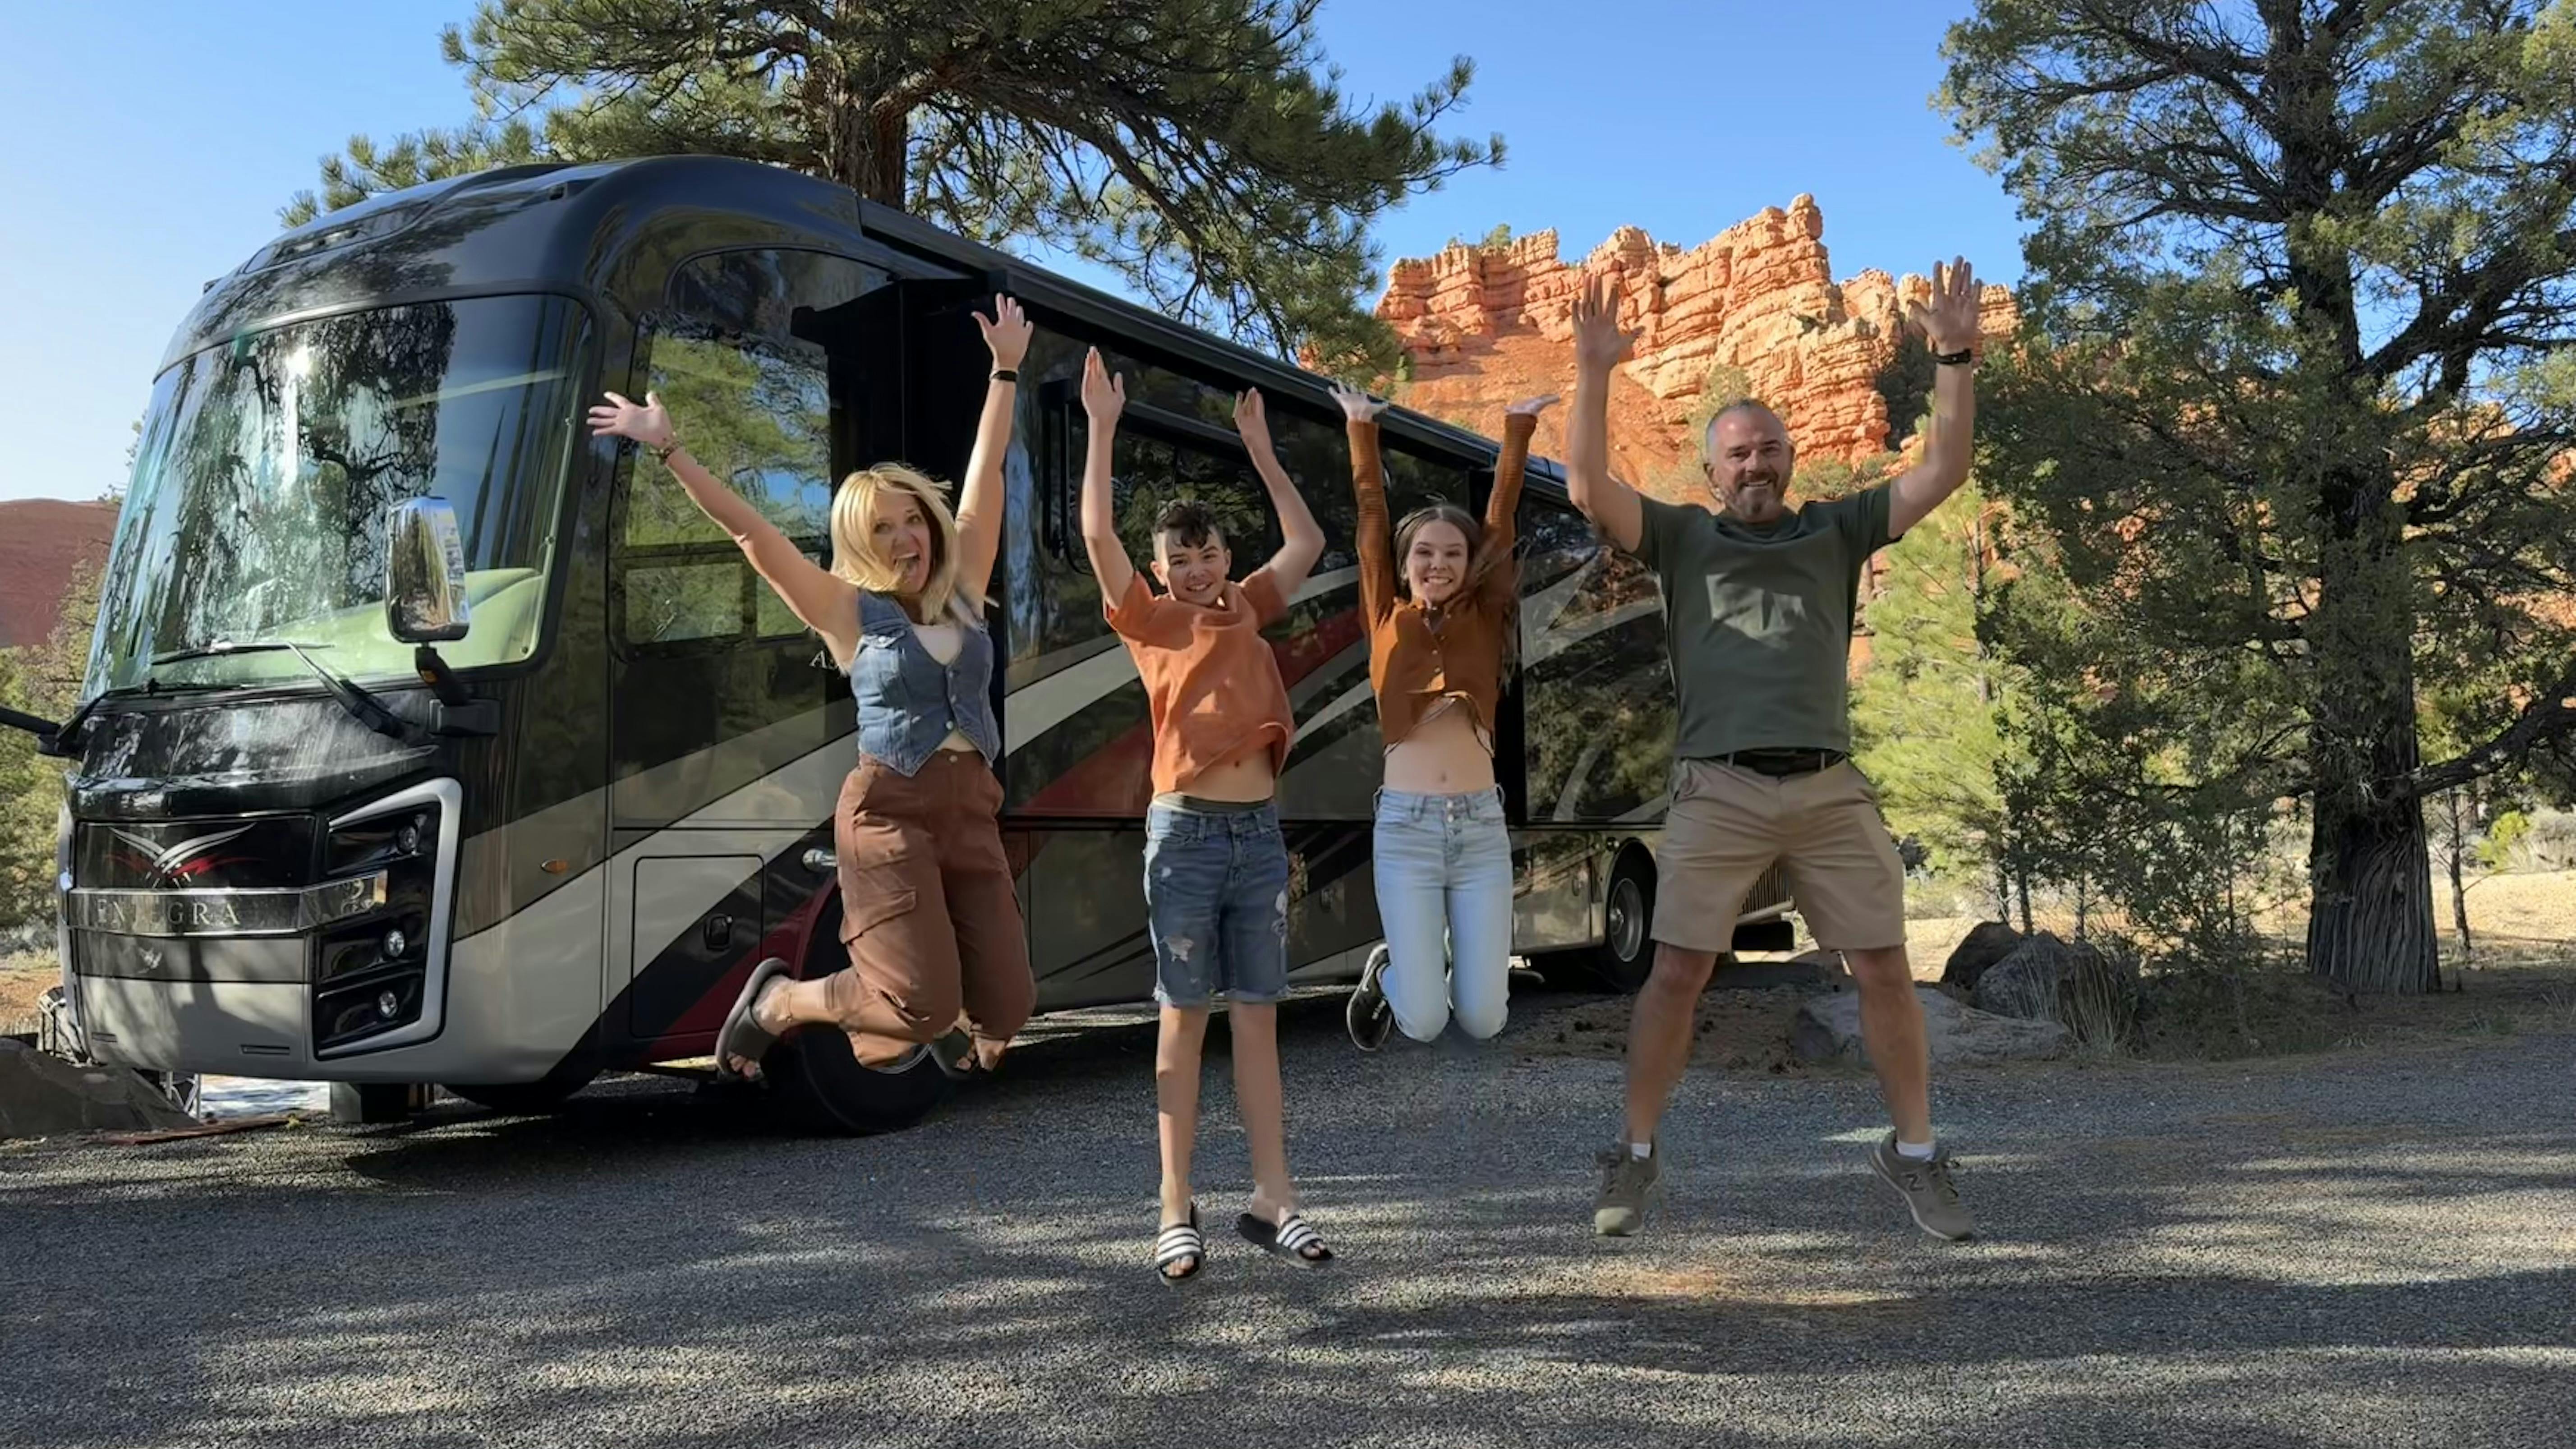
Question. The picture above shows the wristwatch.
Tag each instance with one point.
(663, 453)
(1954, 359)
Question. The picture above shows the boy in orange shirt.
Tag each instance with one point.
(1216, 868)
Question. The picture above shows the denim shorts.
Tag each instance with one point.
(1216, 901)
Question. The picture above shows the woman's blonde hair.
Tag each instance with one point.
(854, 548)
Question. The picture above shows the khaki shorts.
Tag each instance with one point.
(1726, 827)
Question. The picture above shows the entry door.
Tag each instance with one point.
(730, 724)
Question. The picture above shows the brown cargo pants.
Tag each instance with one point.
(927, 910)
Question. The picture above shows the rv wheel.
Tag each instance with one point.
(821, 1082)
(825, 1087)
(1626, 955)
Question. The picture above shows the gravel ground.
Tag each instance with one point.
(2352, 1249)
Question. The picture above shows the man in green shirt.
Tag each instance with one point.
(1758, 600)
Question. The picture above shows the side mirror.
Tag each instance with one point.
(424, 573)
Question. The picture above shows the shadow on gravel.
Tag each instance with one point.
(648, 1267)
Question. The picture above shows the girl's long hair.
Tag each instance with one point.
(854, 549)
(1491, 583)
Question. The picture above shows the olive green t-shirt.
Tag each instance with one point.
(1759, 620)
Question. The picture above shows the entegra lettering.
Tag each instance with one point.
(197, 915)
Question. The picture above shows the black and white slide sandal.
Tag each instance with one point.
(1179, 1242)
(1291, 1238)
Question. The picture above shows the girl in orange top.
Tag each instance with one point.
(1438, 592)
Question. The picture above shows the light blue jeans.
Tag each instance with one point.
(1444, 895)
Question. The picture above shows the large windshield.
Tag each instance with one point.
(266, 467)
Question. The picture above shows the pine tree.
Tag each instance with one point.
(1927, 712)
(2298, 401)
(1200, 148)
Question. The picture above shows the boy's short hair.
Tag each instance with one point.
(1190, 522)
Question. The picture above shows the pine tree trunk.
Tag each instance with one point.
(2370, 917)
(2370, 913)
(2459, 886)
(865, 134)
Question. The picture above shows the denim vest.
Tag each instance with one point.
(909, 701)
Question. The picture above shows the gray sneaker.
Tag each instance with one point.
(1926, 1188)
(1627, 1181)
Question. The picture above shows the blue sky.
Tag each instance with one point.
(164, 136)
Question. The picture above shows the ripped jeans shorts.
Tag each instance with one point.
(1216, 901)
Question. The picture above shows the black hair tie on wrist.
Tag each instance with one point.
(1006, 374)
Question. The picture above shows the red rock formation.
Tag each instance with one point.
(1482, 327)
(42, 541)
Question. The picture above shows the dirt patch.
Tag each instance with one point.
(22, 980)
(2513, 920)
(1734, 1031)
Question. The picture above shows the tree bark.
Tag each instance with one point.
(866, 133)
(2459, 885)
(2370, 913)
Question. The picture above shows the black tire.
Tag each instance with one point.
(823, 1086)
(1626, 955)
(519, 1099)
(820, 1082)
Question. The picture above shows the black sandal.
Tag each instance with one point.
(1178, 1241)
(743, 1036)
(1291, 1238)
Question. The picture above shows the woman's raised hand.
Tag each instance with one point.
(1006, 332)
(1358, 406)
(621, 417)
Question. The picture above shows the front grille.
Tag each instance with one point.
(261, 853)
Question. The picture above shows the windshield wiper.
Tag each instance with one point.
(362, 706)
(226, 646)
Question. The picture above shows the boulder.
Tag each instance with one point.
(2074, 984)
(1828, 1029)
(45, 1096)
(1989, 943)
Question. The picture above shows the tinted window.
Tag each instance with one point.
(266, 467)
(1597, 690)
(754, 403)
(1076, 718)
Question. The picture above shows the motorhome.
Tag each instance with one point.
(427, 738)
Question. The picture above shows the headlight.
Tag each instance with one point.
(369, 970)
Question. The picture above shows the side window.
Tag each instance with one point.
(1154, 464)
(1597, 685)
(1334, 770)
(755, 404)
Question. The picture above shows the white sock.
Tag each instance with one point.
(1641, 1150)
(1914, 1151)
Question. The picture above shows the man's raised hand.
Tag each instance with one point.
(1949, 323)
(1599, 345)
